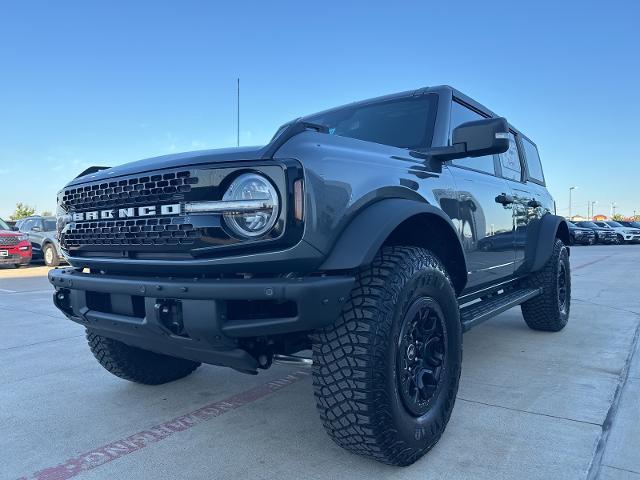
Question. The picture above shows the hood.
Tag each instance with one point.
(220, 155)
(9, 233)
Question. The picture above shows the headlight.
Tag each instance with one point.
(250, 187)
(23, 237)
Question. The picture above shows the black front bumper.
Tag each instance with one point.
(198, 319)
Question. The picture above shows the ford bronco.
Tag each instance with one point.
(372, 234)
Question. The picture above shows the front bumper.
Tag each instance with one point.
(199, 319)
(16, 254)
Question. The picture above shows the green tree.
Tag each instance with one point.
(617, 217)
(22, 210)
(46, 213)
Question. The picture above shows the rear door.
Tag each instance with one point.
(484, 210)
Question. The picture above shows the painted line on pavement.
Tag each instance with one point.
(2, 290)
(119, 448)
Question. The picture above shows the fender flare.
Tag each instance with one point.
(363, 237)
(541, 235)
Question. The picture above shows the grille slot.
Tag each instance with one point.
(148, 231)
(139, 189)
(9, 241)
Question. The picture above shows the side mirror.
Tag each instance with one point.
(483, 137)
(488, 136)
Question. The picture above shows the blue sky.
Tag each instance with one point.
(86, 83)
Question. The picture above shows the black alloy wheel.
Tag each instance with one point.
(421, 355)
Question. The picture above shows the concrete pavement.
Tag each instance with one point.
(531, 405)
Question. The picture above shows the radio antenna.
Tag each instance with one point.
(238, 114)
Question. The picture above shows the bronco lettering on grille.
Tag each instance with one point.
(144, 211)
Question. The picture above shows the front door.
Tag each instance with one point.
(485, 211)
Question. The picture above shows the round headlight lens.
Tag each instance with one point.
(251, 186)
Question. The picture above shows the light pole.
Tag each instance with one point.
(613, 209)
(593, 212)
(570, 189)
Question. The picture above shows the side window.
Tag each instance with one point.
(510, 162)
(459, 115)
(27, 225)
(533, 161)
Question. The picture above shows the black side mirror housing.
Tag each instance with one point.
(483, 137)
(488, 136)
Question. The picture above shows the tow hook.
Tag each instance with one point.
(169, 314)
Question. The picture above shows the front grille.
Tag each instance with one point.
(9, 241)
(142, 215)
(148, 231)
(138, 189)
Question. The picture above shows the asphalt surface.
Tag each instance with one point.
(531, 405)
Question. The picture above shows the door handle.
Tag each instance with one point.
(533, 203)
(504, 199)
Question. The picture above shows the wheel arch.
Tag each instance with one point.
(541, 237)
(399, 222)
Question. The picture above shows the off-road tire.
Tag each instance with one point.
(544, 312)
(135, 364)
(355, 360)
(50, 251)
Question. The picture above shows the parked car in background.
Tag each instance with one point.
(623, 234)
(42, 235)
(15, 248)
(581, 235)
(629, 224)
(603, 235)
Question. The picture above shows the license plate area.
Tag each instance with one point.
(4, 253)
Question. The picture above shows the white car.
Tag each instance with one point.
(625, 234)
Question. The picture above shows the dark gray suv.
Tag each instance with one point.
(372, 234)
(43, 237)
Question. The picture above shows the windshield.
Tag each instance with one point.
(571, 224)
(614, 224)
(589, 224)
(49, 225)
(405, 122)
(3, 225)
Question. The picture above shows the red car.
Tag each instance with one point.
(15, 247)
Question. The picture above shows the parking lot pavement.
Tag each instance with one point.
(531, 404)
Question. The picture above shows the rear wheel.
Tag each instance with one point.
(386, 372)
(549, 311)
(51, 258)
(135, 364)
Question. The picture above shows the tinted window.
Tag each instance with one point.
(510, 161)
(533, 160)
(570, 224)
(49, 225)
(27, 225)
(404, 122)
(459, 115)
(614, 224)
(3, 225)
(588, 224)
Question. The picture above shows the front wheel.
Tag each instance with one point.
(549, 311)
(135, 364)
(386, 373)
(620, 239)
(51, 258)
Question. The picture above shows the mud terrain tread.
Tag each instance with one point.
(350, 360)
(542, 312)
(135, 364)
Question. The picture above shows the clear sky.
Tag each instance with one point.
(103, 83)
